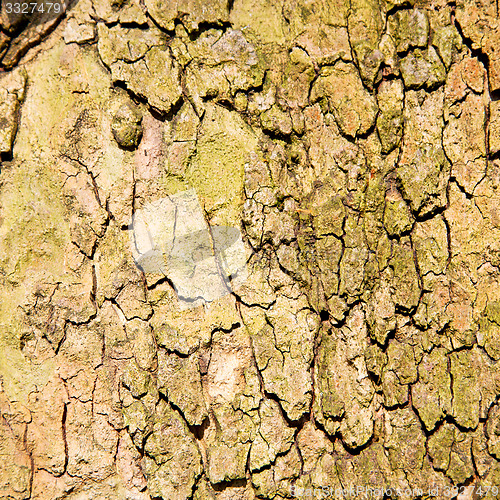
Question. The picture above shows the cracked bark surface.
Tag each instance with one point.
(356, 144)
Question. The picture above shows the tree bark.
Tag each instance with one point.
(250, 249)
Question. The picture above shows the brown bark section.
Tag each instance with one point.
(312, 308)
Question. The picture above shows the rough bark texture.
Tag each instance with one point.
(356, 144)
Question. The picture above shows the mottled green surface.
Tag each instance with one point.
(355, 145)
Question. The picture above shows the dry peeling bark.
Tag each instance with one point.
(357, 146)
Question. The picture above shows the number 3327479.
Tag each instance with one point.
(35, 7)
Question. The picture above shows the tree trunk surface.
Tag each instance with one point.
(250, 249)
